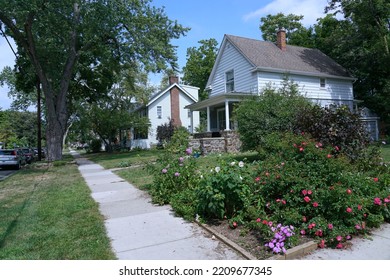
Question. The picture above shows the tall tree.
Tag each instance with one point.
(62, 38)
(200, 62)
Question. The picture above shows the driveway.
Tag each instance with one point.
(4, 173)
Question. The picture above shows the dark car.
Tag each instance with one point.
(29, 154)
(12, 158)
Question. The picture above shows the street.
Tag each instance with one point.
(4, 173)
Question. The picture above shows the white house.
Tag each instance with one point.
(168, 104)
(246, 66)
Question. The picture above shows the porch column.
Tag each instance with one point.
(208, 120)
(227, 115)
(192, 121)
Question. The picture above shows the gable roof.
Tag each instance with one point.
(157, 95)
(268, 56)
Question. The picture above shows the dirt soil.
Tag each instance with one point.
(249, 240)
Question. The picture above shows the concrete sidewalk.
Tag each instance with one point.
(140, 230)
(375, 247)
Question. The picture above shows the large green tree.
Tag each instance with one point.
(68, 39)
(200, 62)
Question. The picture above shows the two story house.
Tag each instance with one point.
(168, 104)
(246, 66)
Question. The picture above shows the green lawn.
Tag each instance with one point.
(47, 213)
(386, 153)
(124, 159)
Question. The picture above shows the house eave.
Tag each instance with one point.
(302, 73)
(218, 99)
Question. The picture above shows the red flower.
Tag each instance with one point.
(377, 201)
(376, 179)
(315, 204)
(234, 225)
(321, 244)
(304, 192)
(339, 246)
(265, 222)
(329, 156)
(349, 210)
(349, 191)
(307, 199)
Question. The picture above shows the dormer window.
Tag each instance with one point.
(322, 82)
(230, 81)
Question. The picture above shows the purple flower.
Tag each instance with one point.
(164, 171)
(271, 245)
(177, 174)
(181, 159)
(188, 151)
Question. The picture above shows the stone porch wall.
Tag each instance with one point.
(229, 142)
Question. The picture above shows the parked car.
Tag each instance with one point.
(29, 154)
(12, 158)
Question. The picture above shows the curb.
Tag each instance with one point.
(291, 254)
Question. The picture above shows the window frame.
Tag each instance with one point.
(229, 82)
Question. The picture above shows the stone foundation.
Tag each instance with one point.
(229, 142)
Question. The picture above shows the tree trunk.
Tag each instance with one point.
(54, 136)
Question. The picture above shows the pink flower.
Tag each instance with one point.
(330, 226)
(339, 238)
(265, 222)
(284, 202)
(349, 191)
(359, 207)
(348, 237)
(377, 201)
(329, 156)
(258, 220)
(234, 225)
(349, 210)
(303, 232)
(257, 179)
(164, 171)
(177, 174)
(304, 219)
(386, 200)
(358, 227)
(318, 233)
(339, 246)
(304, 192)
(321, 244)
(309, 192)
(301, 149)
(315, 204)
(307, 199)
(336, 148)
(181, 159)
(270, 224)
(376, 179)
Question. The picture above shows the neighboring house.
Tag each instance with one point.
(246, 66)
(165, 106)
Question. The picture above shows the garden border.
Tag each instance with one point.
(292, 253)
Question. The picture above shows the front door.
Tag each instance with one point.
(221, 119)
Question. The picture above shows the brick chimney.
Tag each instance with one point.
(175, 101)
(281, 39)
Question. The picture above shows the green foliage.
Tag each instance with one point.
(165, 132)
(200, 62)
(273, 111)
(223, 191)
(175, 139)
(95, 146)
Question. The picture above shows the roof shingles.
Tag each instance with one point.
(295, 59)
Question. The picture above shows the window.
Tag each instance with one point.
(230, 81)
(322, 82)
(189, 114)
(159, 112)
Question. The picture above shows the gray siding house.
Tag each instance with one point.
(246, 66)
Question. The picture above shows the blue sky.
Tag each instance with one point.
(209, 19)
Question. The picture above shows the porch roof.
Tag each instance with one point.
(219, 99)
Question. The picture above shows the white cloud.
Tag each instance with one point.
(310, 9)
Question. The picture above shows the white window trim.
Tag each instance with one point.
(232, 81)
(325, 83)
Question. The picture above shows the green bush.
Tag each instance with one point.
(95, 146)
(273, 111)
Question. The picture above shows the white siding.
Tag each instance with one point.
(165, 102)
(231, 59)
(184, 100)
(336, 91)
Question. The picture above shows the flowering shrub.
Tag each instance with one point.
(280, 239)
(223, 191)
